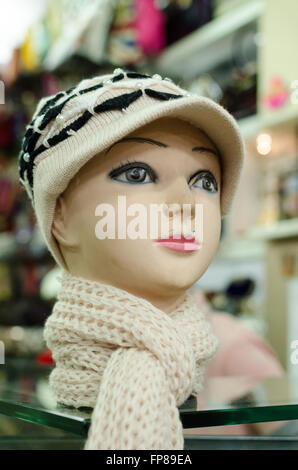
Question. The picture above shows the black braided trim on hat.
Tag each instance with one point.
(52, 113)
(137, 75)
(119, 102)
(161, 95)
(51, 110)
(91, 88)
(31, 142)
(100, 85)
(51, 102)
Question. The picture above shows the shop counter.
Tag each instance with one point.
(25, 395)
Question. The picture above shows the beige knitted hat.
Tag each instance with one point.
(69, 128)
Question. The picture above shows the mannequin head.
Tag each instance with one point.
(170, 175)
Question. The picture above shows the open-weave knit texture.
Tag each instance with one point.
(130, 361)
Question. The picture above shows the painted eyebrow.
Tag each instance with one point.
(159, 144)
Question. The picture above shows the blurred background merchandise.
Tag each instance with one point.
(229, 50)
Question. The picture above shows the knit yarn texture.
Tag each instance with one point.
(128, 360)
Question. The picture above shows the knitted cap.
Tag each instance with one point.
(69, 128)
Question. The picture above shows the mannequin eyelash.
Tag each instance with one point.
(119, 168)
(132, 164)
(209, 173)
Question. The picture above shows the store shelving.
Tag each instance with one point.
(281, 117)
(69, 41)
(7, 244)
(277, 231)
(209, 46)
(251, 126)
(284, 117)
(241, 248)
(253, 243)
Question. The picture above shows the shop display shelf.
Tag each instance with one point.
(25, 395)
(241, 248)
(210, 44)
(252, 245)
(277, 231)
(280, 118)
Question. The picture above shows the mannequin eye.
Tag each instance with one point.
(133, 173)
(204, 179)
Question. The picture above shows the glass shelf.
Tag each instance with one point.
(25, 394)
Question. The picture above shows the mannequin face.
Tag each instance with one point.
(170, 172)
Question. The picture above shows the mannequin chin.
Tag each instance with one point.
(143, 267)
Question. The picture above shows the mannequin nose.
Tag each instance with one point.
(178, 194)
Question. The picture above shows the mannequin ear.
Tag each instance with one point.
(60, 230)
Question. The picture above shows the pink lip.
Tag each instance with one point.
(182, 244)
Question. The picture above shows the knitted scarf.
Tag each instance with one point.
(128, 360)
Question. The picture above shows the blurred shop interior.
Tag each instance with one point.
(240, 53)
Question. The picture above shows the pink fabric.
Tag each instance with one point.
(150, 27)
(240, 353)
(254, 358)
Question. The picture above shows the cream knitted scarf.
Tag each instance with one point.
(131, 362)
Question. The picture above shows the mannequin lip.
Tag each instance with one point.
(182, 244)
